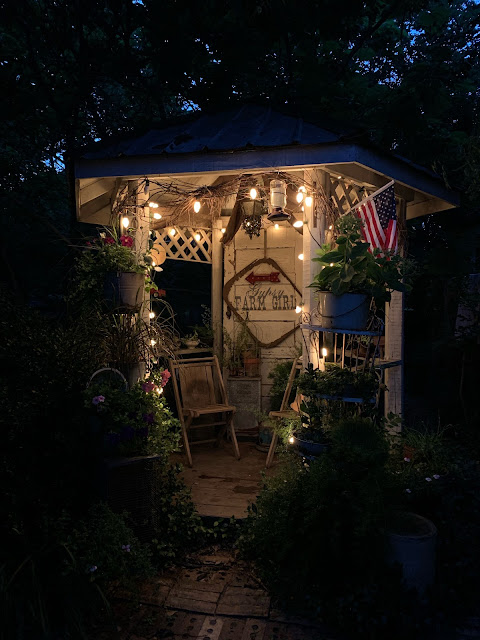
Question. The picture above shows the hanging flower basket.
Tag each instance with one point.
(125, 289)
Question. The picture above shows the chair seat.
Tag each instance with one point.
(287, 413)
(213, 408)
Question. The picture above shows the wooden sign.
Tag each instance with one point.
(267, 296)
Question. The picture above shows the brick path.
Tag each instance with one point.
(212, 597)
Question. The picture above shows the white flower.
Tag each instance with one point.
(428, 479)
(408, 491)
(407, 459)
(436, 476)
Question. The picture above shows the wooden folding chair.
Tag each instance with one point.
(285, 410)
(200, 391)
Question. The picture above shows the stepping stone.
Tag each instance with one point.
(241, 601)
(192, 600)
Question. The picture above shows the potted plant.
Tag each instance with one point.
(191, 340)
(337, 383)
(240, 351)
(351, 276)
(132, 421)
(108, 270)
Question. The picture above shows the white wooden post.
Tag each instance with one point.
(394, 341)
(217, 286)
(313, 237)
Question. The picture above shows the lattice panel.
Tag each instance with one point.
(185, 244)
(346, 195)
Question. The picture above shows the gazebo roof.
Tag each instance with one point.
(254, 138)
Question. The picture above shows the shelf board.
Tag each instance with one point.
(316, 327)
(345, 398)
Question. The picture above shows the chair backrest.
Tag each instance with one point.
(296, 366)
(198, 382)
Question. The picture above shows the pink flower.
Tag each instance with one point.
(126, 241)
(428, 479)
(98, 400)
(148, 386)
(166, 375)
(108, 240)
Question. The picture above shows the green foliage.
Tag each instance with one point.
(315, 534)
(351, 268)
(279, 376)
(55, 578)
(336, 381)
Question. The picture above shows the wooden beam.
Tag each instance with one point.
(425, 207)
(95, 189)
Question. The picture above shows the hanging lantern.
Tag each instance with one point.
(278, 201)
(252, 222)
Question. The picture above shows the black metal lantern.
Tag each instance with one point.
(252, 222)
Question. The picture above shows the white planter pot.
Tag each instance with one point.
(125, 289)
(348, 311)
(413, 547)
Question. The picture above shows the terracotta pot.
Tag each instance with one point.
(252, 367)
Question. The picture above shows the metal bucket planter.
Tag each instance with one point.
(348, 311)
(125, 289)
(309, 449)
(411, 543)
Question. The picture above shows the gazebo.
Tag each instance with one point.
(192, 181)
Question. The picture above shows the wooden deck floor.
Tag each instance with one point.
(221, 485)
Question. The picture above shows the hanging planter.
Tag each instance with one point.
(347, 311)
(125, 289)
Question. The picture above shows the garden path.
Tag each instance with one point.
(212, 596)
(221, 485)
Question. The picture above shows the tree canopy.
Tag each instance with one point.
(406, 72)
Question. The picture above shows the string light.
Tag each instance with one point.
(309, 201)
(153, 263)
(276, 226)
(151, 315)
(330, 227)
(125, 222)
(253, 193)
(298, 309)
(153, 205)
(298, 224)
(157, 216)
(196, 206)
(197, 237)
(331, 264)
(291, 439)
(300, 196)
(300, 256)
(324, 352)
(223, 230)
(159, 390)
(153, 342)
(172, 232)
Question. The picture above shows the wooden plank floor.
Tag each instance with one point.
(221, 485)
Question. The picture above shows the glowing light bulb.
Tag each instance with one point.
(298, 224)
(172, 232)
(276, 226)
(153, 205)
(330, 227)
(153, 342)
(291, 439)
(197, 237)
(324, 352)
(159, 390)
(223, 230)
(300, 195)
(125, 222)
(196, 206)
(157, 216)
(309, 201)
(331, 264)
(153, 263)
(151, 315)
(302, 188)
(253, 193)
(300, 256)
(298, 309)
(339, 177)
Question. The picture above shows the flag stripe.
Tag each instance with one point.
(377, 214)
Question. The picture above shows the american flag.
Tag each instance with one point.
(378, 215)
